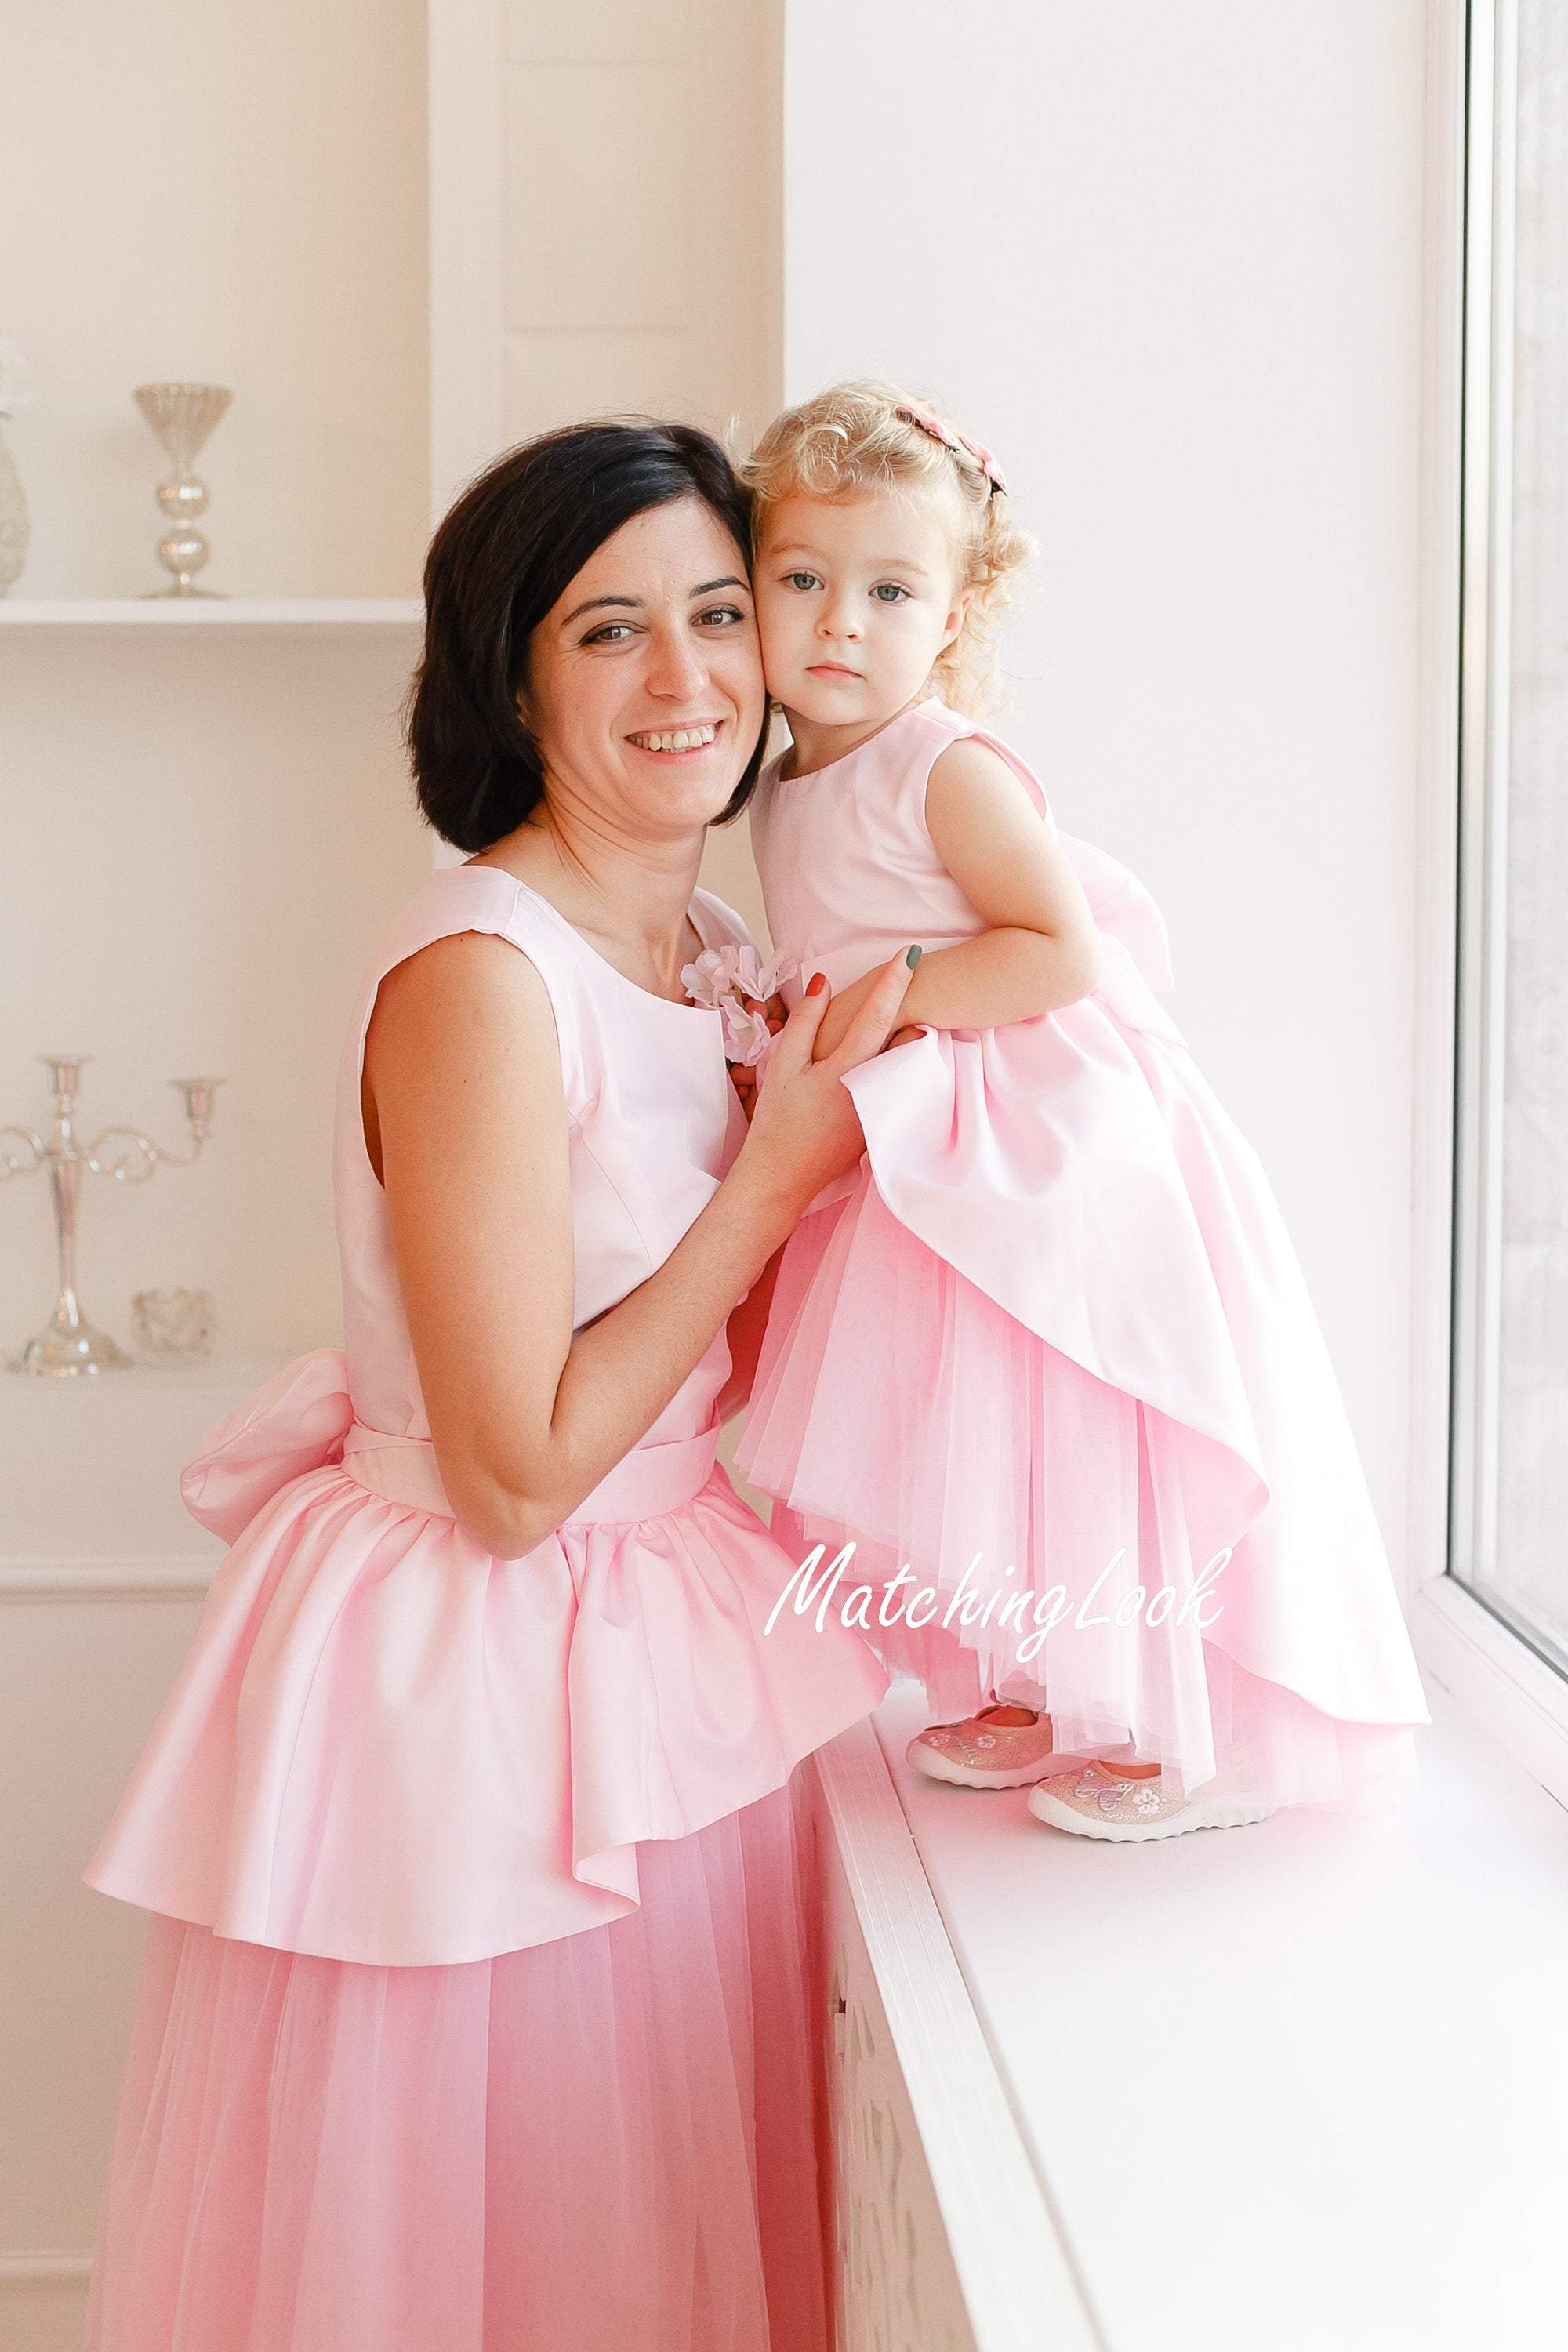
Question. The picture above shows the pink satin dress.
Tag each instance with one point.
(1053, 1339)
(477, 2011)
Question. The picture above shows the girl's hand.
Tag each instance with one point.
(805, 1130)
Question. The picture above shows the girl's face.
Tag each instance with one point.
(644, 689)
(856, 598)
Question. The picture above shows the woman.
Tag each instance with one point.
(475, 2012)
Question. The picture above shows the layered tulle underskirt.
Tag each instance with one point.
(900, 1409)
(609, 2141)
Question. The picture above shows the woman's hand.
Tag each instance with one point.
(805, 1129)
(744, 1074)
(841, 1013)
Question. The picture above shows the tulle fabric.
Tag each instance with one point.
(979, 1443)
(607, 2142)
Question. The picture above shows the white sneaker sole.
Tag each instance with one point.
(935, 1766)
(1222, 1813)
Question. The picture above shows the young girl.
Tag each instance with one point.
(1049, 1356)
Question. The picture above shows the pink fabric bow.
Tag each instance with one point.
(953, 439)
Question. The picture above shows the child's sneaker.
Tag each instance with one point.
(1000, 1748)
(1095, 1801)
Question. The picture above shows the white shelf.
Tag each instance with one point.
(215, 612)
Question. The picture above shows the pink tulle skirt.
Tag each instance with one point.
(956, 1436)
(609, 2142)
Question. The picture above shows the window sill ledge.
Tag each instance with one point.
(1495, 1679)
(1304, 2084)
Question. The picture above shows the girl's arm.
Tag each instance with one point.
(1040, 948)
(466, 1120)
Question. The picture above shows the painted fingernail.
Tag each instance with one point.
(913, 957)
(817, 984)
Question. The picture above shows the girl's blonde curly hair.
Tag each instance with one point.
(851, 438)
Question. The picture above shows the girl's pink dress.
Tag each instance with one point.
(1055, 1326)
(476, 2014)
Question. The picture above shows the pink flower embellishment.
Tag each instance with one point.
(712, 977)
(734, 981)
(746, 1034)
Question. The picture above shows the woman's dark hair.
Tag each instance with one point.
(507, 550)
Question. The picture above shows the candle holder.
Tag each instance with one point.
(183, 416)
(69, 1346)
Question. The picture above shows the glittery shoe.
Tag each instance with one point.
(1098, 1802)
(992, 1749)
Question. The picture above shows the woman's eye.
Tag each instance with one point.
(725, 614)
(612, 632)
(889, 592)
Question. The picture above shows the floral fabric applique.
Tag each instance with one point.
(735, 981)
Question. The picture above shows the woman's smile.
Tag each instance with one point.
(686, 741)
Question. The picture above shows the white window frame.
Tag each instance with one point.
(1466, 1645)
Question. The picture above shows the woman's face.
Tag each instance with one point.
(644, 691)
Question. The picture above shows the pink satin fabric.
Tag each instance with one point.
(386, 1745)
(479, 2007)
(1057, 1317)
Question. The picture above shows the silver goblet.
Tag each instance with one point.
(183, 416)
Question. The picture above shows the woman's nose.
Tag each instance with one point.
(675, 667)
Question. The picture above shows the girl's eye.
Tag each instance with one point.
(889, 592)
(802, 580)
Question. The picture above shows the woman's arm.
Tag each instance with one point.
(1040, 948)
(466, 1110)
(743, 1332)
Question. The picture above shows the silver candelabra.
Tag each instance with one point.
(68, 1346)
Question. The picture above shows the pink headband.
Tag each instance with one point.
(951, 439)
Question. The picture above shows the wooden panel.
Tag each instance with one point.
(896, 2289)
(946, 2235)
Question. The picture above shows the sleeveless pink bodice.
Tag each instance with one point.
(850, 875)
(654, 1126)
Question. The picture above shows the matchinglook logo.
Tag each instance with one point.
(861, 1606)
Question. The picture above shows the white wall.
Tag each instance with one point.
(202, 841)
(200, 835)
(236, 196)
(640, 211)
(1168, 263)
